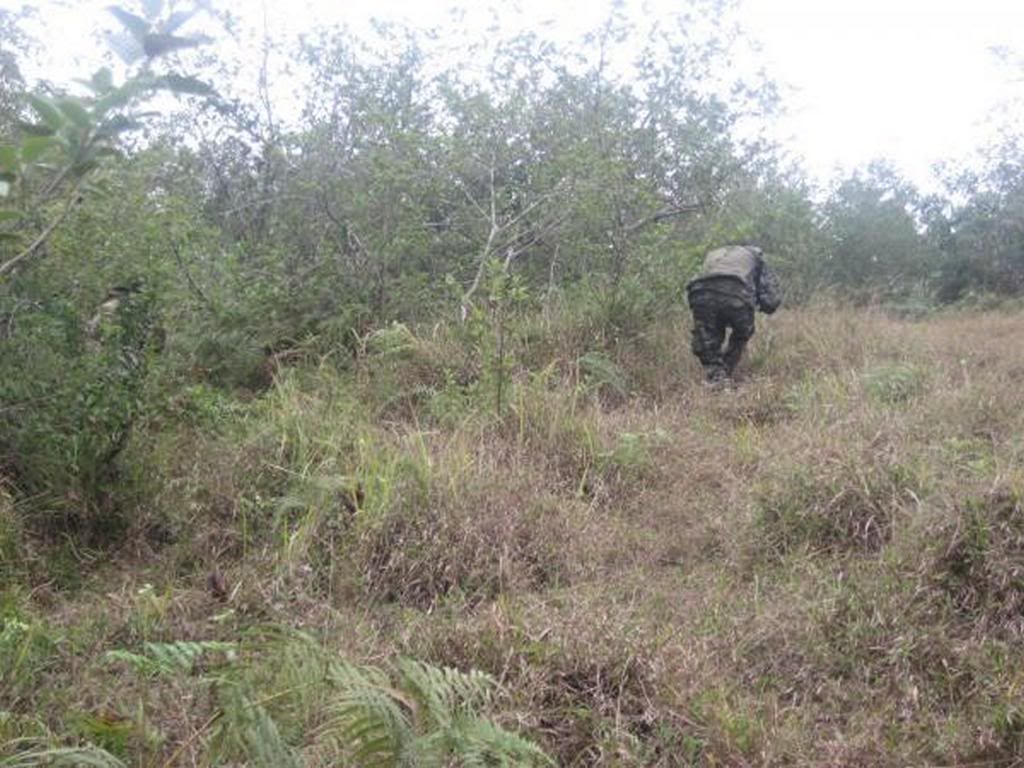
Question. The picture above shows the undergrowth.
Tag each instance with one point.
(604, 564)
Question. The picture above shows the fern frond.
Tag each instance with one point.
(69, 757)
(298, 670)
(368, 720)
(248, 727)
(439, 692)
(169, 658)
(481, 743)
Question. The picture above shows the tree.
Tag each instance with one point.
(13, 45)
(877, 249)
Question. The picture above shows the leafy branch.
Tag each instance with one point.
(71, 137)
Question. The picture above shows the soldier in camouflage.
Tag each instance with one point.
(733, 283)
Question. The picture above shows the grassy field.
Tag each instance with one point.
(823, 567)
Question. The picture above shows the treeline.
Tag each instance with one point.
(236, 231)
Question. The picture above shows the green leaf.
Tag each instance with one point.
(100, 189)
(102, 80)
(10, 215)
(178, 18)
(89, 757)
(75, 112)
(34, 129)
(47, 111)
(120, 97)
(159, 44)
(138, 26)
(8, 157)
(32, 147)
(186, 84)
(118, 125)
(82, 168)
(125, 45)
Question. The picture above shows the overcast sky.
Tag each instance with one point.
(915, 81)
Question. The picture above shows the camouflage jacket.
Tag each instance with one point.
(739, 271)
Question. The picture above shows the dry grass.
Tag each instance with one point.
(823, 567)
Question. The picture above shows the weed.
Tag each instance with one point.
(892, 384)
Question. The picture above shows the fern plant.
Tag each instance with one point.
(422, 716)
(65, 757)
(170, 658)
(289, 702)
(248, 728)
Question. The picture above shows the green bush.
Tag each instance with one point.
(64, 425)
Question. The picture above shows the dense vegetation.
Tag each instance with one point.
(360, 428)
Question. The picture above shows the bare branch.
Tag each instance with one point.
(662, 215)
(36, 244)
(176, 250)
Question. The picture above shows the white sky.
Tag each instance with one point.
(914, 81)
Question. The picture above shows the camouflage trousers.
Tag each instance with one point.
(713, 315)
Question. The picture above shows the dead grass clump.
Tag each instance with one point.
(978, 561)
(214, 495)
(840, 503)
(485, 537)
(827, 338)
(758, 403)
(858, 663)
(561, 429)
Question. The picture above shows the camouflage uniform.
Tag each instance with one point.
(733, 283)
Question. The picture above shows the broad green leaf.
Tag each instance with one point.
(120, 97)
(72, 140)
(99, 189)
(34, 129)
(178, 18)
(186, 84)
(159, 44)
(47, 111)
(102, 80)
(138, 26)
(118, 125)
(127, 47)
(8, 157)
(82, 168)
(75, 112)
(9, 215)
(32, 147)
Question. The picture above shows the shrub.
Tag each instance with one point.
(66, 424)
(473, 538)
